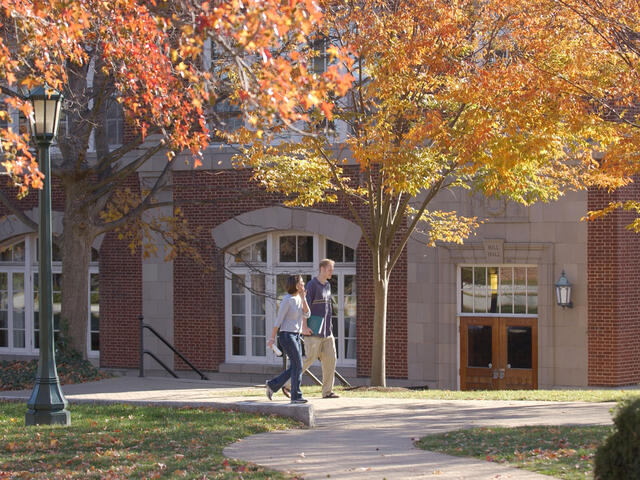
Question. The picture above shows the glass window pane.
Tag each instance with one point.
(18, 339)
(480, 288)
(95, 322)
(18, 252)
(259, 251)
(467, 289)
(305, 249)
(479, 346)
(238, 325)
(258, 346)
(532, 290)
(281, 286)
(243, 255)
(4, 338)
(350, 348)
(334, 251)
(493, 289)
(237, 304)
(238, 346)
(56, 254)
(506, 290)
(519, 290)
(95, 342)
(519, 347)
(237, 284)
(349, 284)
(288, 248)
(349, 254)
(257, 326)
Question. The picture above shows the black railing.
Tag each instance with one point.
(151, 354)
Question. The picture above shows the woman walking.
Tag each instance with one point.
(292, 321)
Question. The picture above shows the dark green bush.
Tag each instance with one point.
(618, 457)
(21, 375)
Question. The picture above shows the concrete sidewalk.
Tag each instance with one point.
(353, 438)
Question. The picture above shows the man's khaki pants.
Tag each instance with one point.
(325, 350)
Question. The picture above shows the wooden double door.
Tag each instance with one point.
(498, 353)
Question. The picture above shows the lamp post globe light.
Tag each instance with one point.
(47, 405)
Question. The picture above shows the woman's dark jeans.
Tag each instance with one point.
(290, 343)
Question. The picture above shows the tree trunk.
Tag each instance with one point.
(378, 355)
(76, 255)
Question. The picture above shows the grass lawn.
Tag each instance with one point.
(122, 442)
(562, 452)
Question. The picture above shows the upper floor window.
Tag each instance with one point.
(340, 253)
(499, 290)
(115, 123)
(254, 253)
(296, 248)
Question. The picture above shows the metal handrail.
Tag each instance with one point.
(143, 351)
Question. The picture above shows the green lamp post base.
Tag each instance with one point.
(47, 405)
(42, 417)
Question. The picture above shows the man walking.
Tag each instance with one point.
(321, 345)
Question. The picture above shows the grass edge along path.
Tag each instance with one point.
(564, 452)
(125, 441)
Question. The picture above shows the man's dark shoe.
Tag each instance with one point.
(286, 392)
(299, 400)
(331, 395)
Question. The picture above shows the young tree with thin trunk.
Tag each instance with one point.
(446, 95)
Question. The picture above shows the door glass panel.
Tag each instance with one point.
(479, 351)
(467, 289)
(519, 348)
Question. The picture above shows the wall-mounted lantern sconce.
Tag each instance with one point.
(563, 292)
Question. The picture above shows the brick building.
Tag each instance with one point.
(478, 315)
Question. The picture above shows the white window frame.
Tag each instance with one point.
(272, 268)
(29, 268)
(490, 314)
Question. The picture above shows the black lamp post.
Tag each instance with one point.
(47, 405)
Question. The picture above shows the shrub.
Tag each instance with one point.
(21, 375)
(619, 456)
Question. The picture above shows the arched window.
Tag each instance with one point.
(256, 273)
(19, 298)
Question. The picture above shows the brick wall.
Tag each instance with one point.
(613, 270)
(199, 289)
(120, 299)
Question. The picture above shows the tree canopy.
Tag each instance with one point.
(447, 94)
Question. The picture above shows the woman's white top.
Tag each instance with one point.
(290, 314)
